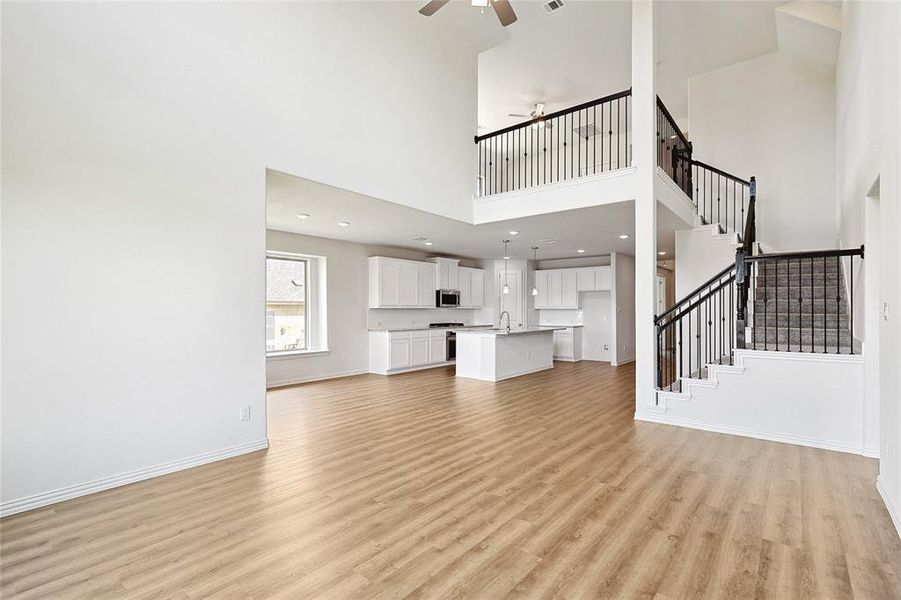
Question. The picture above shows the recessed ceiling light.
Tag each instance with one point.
(580, 251)
(662, 252)
(343, 224)
(302, 216)
(513, 232)
(429, 243)
(506, 258)
(624, 236)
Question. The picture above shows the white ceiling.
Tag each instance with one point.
(377, 222)
(583, 52)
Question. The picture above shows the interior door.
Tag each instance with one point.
(512, 302)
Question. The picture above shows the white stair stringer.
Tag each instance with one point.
(791, 397)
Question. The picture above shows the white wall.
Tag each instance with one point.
(699, 256)
(623, 295)
(135, 142)
(773, 117)
(807, 399)
(349, 318)
(868, 132)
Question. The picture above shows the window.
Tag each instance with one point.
(287, 303)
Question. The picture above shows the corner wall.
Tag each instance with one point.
(868, 94)
(136, 138)
(773, 117)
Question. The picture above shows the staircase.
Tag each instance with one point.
(801, 306)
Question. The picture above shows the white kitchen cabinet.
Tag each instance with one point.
(541, 285)
(593, 279)
(399, 351)
(471, 284)
(448, 270)
(559, 288)
(419, 349)
(569, 289)
(438, 346)
(568, 344)
(428, 282)
(397, 283)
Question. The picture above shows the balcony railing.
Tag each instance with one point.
(588, 139)
(718, 197)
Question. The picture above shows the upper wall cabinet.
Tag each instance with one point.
(397, 283)
(559, 288)
(448, 273)
(471, 283)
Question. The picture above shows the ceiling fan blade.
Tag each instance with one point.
(432, 7)
(504, 12)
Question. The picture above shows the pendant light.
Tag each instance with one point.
(535, 284)
(506, 289)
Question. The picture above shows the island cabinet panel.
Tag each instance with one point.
(398, 283)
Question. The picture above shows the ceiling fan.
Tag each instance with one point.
(502, 9)
(537, 115)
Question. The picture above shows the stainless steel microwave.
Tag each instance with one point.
(447, 298)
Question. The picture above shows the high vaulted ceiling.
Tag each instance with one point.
(583, 51)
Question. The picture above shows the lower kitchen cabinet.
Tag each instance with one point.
(568, 344)
(398, 351)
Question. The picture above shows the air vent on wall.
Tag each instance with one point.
(586, 131)
(553, 5)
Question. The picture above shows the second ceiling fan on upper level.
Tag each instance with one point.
(502, 9)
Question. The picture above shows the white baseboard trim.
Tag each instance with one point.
(895, 516)
(98, 485)
(660, 417)
(294, 381)
(622, 362)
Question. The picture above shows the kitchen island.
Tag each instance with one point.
(496, 354)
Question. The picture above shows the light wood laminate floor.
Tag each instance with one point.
(424, 486)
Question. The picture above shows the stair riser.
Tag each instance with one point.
(785, 293)
(817, 306)
(796, 280)
(802, 337)
(801, 320)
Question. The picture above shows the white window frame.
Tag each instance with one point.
(307, 304)
(315, 313)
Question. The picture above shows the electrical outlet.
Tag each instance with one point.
(606, 347)
(529, 355)
(245, 413)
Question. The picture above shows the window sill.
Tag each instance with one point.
(288, 354)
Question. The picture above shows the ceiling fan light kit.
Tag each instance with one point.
(502, 9)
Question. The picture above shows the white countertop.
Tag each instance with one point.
(427, 328)
(514, 331)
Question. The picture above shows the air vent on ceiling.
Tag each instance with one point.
(419, 238)
(586, 131)
(553, 5)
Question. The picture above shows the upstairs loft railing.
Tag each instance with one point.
(718, 196)
(588, 139)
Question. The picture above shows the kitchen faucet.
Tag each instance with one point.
(508, 320)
